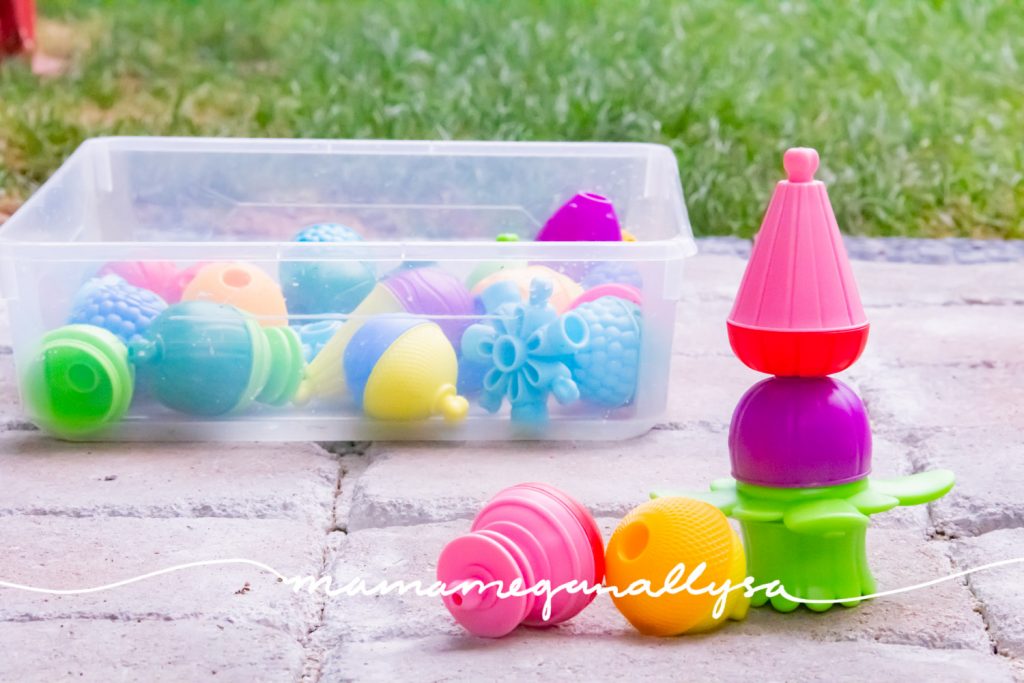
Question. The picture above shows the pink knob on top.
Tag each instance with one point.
(530, 532)
(800, 164)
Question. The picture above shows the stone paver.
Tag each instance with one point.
(712, 278)
(700, 329)
(903, 285)
(943, 385)
(42, 476)
(989, 493)
(1000, 591)
(10, 406)
(110, 549)
(927, 398)
(940, 616)
(719, 657)
(961, 335)
(452, 482)
(102, 650)
(705, 389)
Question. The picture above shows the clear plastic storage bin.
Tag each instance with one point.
(409, 313)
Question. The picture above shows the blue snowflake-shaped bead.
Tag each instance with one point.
(113, 304)
(606, 370)
(526, 347)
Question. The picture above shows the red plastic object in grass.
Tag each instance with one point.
(798, 312)
(17, 26)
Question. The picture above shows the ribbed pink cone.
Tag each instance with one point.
(798, 311)
(587, 217)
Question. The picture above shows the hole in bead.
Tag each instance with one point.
(531, 374)
(575, 329)
(82, 378)
(236, 277)
(595, 196)
(506, 354)
(457, 599)
(634, 540)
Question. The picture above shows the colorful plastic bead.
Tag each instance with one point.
(403, 368)
(325, 286)
(113, 304)
(651, 541)
(428, 292)
(527, 533)
(606, 369)
(527, 346)
(211, 359)
(78, 382)
(243, 286)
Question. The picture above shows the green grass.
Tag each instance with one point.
(916, 107)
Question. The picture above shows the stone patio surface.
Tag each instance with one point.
(943, 378)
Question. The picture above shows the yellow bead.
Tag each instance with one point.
(415, 378)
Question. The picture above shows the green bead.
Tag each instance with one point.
(79, 381)
(808, 566)
(286, 366)
(812, 540)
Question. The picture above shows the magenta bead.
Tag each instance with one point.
(587, 217)
(530, 533)
(791, 432)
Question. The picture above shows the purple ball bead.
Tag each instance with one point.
(432, 292)
(800, 432)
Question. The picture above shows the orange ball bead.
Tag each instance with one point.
(651, 541)
(243, 286)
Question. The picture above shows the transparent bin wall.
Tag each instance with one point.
(161, 200)
(389, 192)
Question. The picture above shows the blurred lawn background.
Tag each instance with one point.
(916, 107)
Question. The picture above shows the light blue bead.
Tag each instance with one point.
(606, 370)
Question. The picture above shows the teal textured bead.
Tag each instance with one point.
(200, 358)
(325, 286)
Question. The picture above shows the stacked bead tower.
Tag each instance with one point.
(800, 442)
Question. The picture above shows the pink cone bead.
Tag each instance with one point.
(530, 532)
(798, 312)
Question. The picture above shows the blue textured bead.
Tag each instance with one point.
(328, 232)
(606, 370)
(113, 304)
(612, 272)
(317, 287)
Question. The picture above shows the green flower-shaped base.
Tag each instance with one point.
(812, 540)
